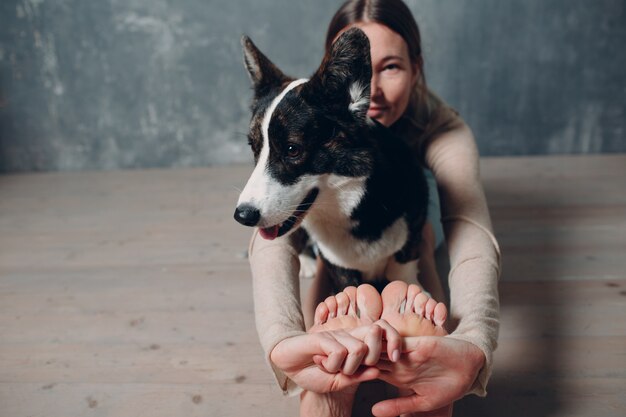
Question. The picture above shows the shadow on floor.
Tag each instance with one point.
(535, 389)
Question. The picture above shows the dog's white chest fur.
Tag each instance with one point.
(329, 224)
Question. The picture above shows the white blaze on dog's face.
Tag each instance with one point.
(303, 131)
(266, 193)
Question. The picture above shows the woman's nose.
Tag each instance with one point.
(375, 90)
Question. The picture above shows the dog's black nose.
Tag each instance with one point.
(247, 215)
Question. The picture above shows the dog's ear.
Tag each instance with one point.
(263, 73)
(345, 73)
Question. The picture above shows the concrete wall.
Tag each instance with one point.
(107, 84)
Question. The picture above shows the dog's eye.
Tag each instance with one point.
(294, 150)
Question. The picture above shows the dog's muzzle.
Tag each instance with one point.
(248, 215)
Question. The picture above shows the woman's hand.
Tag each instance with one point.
(438, 370)
(330, 360)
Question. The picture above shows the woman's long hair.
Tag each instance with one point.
(426, 116)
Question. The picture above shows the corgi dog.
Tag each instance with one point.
(323, 167)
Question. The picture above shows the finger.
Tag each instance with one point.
(318, 359)
(365, 374)
(332, 362)
(397, 406)
(297, 351)
(356, 352)
(385, 366)
(360, 332)
(372, 336)
(362, 375)
(334, 353)
(374, 342)
(394, 341)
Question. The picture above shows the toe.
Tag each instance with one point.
(441, 314)
(343, 302)
(411, 293)
(350, 292)
(419, 303)
(321, 313)
(331, 304)
(394, 297)
(429, 309)
(368, 302)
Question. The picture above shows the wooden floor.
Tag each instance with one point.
(128, 294)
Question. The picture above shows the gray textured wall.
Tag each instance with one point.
(105, 84)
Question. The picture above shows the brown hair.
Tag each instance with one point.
(426, 116)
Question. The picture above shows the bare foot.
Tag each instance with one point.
(351, 308)
(411, 312)
(404, 308)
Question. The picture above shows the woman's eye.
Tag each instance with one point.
(391, 67)
(293, 150)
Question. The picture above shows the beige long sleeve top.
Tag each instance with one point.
(474, 262)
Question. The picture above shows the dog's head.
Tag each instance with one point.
(302, 131)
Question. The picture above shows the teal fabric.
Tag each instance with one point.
(434, 208)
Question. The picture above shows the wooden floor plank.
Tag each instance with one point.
(144, 400)
(128, 293)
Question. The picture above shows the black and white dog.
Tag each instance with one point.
(323, 164)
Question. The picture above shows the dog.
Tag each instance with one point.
(323, 167)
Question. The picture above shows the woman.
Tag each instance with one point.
(457, 364)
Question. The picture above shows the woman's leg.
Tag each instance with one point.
(432, 238)
(318, 291)
(334, 404)
(428, 276)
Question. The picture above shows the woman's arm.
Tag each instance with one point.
(474, 251)
(443, 370)
(276, 292)
(321, 361)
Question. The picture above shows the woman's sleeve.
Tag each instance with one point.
(276, 292)
(474, 251)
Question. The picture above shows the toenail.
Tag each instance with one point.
(395, 356)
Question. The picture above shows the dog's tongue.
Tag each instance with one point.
(269, 233)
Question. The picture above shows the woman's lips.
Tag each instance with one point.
(376, 111)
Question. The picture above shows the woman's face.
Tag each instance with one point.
(393, 74)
